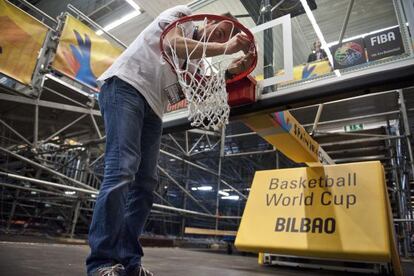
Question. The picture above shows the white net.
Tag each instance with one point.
(202, 80)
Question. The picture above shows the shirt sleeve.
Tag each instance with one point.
(170, 15)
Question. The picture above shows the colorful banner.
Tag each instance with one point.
(384, 44)
(334, 212)
(82, 54)
(349, 54)
(306, 71)
(21, 38)
(283, 131)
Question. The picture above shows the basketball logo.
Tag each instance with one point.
(349, 54)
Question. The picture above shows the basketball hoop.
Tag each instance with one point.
(203, 80)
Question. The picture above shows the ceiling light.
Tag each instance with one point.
(118, 22)
(224, 193)
(134, 5)
(232, 197)
(205, 188)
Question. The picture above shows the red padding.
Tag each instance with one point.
(242, 92)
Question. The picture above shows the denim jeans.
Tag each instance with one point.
(133, 134)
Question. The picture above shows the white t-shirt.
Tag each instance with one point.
(141, 64)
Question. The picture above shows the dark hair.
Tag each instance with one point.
(229, 15)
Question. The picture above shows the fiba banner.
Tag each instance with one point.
(21, 38)
(334, 211)
(82, 54)
(349, 54)
(384, 44)
(283, 131)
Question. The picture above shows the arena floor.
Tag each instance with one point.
(26, 258)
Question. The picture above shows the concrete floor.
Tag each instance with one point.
(33, 259)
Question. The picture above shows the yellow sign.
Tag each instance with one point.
(334, 211)
(21, 38)
(82, 54)
(283, 131)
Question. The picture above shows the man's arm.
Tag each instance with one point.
(185, 46)
(240, 65)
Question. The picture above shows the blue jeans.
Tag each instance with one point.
(133, 134)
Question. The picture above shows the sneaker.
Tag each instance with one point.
(116, 270)
(142, 271)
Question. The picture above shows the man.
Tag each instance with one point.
(132, 102)
(318, 53)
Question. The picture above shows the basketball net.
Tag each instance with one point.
(202, 80)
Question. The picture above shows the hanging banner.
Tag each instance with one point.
(384, 44)
(21, 38)
(334, 211)
(284, 132)
(307, 71)
(349, 54)
(82, 54)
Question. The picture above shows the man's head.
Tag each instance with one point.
(317, 45)
(219, 31)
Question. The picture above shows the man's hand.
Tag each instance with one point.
(237, 43)
(241, 64)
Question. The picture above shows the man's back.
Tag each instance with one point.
(141, 64)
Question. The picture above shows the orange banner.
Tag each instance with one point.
(21, 38)
(82, 54)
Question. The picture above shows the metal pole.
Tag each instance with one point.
(317, 118)
(38, 10)
(35, 190)
(357, 141)
(64, 128)
(36, 125)
(51, 184)
(187, 171)
(407, 132)
(249, 153)
(399, 12)
(221, 155)
(277, 159)
(75, 218)
(178, 144)
(96, 126)
(15, 132)
(13, 209)
(354, 118)
(345, 24)
(63, 96)
(241, 135)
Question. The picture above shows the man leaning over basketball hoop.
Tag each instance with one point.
(132, 105)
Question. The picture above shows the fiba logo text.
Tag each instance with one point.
(383, 38)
